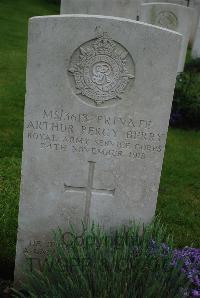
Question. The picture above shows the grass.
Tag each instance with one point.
(14, 16)
(179, 195)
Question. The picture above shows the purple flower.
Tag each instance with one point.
(188, 258)
(196, 293)
(191, 267)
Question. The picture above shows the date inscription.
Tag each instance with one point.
(95, 134)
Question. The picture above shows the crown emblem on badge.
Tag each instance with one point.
(104, 44)
(101, 70)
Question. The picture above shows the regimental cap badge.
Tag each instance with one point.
(166, 19)
(102, 70)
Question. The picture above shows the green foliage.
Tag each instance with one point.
(97, 264)
(13, 31)
(179, 192)
(192, 65)
(54, 1)
(9, 194)
(186, 104)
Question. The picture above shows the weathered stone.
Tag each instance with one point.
(180, 2)
(99, 93)
(117, 8)
(191, 3)
(173, 17)
(194, 27)
(196, 46)
(196, 5)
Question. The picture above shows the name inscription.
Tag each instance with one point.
(95, 134)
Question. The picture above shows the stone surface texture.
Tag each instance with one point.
(196, 5)
(117, 8)
(193, 4)
(194, 26)
(196, 46)
(99, 93)
(174, 17)
(180, 2)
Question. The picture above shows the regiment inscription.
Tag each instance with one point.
(95, 134)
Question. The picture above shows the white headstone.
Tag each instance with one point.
(99, 93)
(194, 27)
(196, 5)
(180, 2)
(173, 17)
(190, 3)
(117, 8)
(196, 46)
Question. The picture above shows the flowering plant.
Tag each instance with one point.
(122, 263)
(191, 267)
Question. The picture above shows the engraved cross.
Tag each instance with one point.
(89, 190)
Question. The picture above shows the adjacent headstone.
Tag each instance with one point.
(117, 8)
(180, 2)
(196, 5)
(173, 17)
(99, 93)
(196, 47)
(190, 3)
(194, 27)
